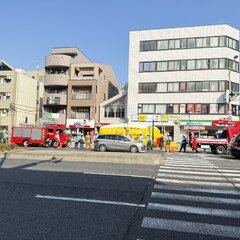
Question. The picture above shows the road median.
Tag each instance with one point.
(153, 157)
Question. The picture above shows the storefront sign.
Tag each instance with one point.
(196, 123)
(134, 118)
(52, 115)
(192, 128)
(80, 123)
(142, 118)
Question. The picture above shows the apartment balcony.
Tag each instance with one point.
(58, 60)
(80, 115)
(56, 80)
(54, 99)
(81, 96)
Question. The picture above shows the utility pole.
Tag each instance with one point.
(37, 95)
(228, 91)
(153, 132)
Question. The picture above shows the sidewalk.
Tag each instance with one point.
(151, 157)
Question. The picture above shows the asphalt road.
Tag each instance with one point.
(189, 196)
(55, 199)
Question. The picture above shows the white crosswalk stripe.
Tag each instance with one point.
(193, 188)
(192, 227)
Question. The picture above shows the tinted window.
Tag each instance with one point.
(111, 137)
(120, 138)
(101, 137)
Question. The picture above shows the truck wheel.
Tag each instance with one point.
(220, 149)
(133, 149)
(103, 148)
(25, 143)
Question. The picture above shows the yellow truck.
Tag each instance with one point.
(132, 130)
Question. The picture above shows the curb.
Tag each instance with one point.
(88, 156)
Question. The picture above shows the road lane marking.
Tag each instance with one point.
(198, 173)
(196, 183)
(188, 168)
(90, 201)
(188, 165)
(194, 210)
(191, 227)
(188, 177)
(191, 189)
(195, 198)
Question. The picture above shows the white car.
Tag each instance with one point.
(115, 142)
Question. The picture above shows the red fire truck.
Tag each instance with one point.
(32, 135)
(219, 144)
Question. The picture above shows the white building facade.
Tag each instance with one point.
(178, 77)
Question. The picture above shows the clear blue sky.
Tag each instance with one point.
(99, 28)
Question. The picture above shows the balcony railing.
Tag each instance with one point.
(80, 115)
(82, 96)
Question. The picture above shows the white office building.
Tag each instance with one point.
(179, 77)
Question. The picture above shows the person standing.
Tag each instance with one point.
(140, 137)
(168, 142)
(149, 142)
(76, 141)
(183, 144)
(81, 140)
(194, 144)
(161, 145)
(88, 141)
(57, 138)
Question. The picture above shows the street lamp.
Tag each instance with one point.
(228, 91)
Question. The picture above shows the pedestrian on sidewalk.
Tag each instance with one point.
(88, 141)
(183, 144)
(161, 145)
(140, 137)
(168, 142)
(149, 142)
(81, 140)
(194, 144)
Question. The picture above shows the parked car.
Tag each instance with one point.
(234, 146)
(115, 142)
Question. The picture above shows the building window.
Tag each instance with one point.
(191, 43)
(205, 86)
(213, 86)
(183, 43)
(205, 108)
(202, 42)
(161, 87)
(162, 66)
(183, 64)
(190, 86)
(162, 44)
(148, 108)
(169, 109)
(213, 63)
(214, 41)
(147, 88)
(191, 64)
(161, 108)
(222, 41)
(199, 43)
(221, 108)
(171, 44)
(206, 42)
